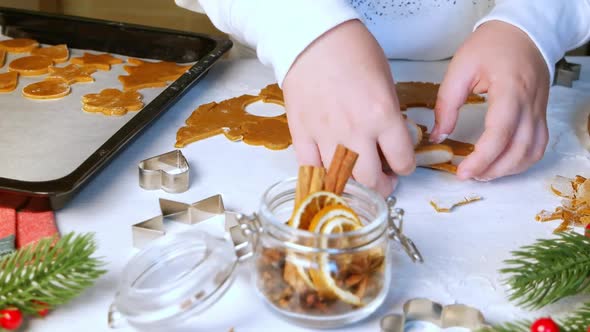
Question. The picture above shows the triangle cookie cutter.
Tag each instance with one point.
(168, 171)
(190, 214)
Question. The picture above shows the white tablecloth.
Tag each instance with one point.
(463, 250)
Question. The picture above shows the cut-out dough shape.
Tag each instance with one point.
(445, 167)
(423, 94)
(33, 65)
(433, 154)
(230, 118)
(57, 53)
(112, 102)
(98, 61)
(2, 57)
(73, 73)
(8, 81)
(461, 149)
(18, 45)
(144, 74)
(51, 88)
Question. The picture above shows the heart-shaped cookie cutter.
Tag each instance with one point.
(168, 171)
(426, 311)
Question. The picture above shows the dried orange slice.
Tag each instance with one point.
(322, 278)
(301, 219)
(311, 205)
(330, 214)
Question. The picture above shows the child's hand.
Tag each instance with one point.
(340, 90)
(501, 60)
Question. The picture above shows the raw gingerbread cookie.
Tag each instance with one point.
(144, 74)
(230, 118)
(433, 154)
(446, 167)
(33, 65)
(8, 81)
(73, 73)
(112, 102)
(18, 45)
(461, 149)
(51, 88)
(423, 94)
(98, 61)
(57, 53)
(272, 94)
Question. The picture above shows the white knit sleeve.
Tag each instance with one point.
(555, 26)
(279, 30)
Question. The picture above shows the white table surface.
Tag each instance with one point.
(463, 250)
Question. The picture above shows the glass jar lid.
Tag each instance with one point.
(174, 277)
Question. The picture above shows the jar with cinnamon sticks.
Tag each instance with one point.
(323, 257)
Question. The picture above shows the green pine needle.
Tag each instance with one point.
(48, 272)
(549, 270)
(579, 321)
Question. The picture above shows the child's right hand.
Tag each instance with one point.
(340, 91)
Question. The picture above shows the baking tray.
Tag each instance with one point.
(121, 39)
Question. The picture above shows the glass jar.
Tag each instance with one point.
(323, 280)
(314, 280)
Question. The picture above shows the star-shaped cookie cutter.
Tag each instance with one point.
(433, 315)
(168, 171)
(566, 73)
(153, 228)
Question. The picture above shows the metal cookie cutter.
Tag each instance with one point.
(426, 315)
(153, 228)
(566, 73)
(168, 171)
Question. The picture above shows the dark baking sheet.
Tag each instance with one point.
(112, 37)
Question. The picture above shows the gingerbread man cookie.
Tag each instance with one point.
(144, 74)
(18, 45)
(8, 81)
(73, 73)
(51, 88)
(98, 61)
(57, 53)
(112, 102)
(33, 65)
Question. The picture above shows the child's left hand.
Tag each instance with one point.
(503, 61)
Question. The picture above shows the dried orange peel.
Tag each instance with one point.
(575, 204)
(447, 205)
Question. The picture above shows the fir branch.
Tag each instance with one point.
(519, 326)
(51, 272)
(549, 270)
(576, 322)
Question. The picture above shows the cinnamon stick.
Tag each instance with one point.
(317, 180)
(303, 183)
(340, 169)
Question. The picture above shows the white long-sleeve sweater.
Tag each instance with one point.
(280, 30)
